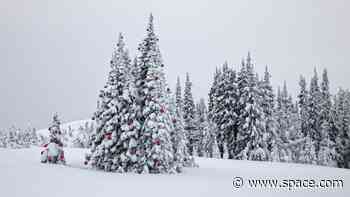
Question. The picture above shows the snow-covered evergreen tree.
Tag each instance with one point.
(16, 138)
(289, 137)
(315, 111)
(55, 130)
(212, 94)
(154, 146)
(223, 100)
(112, 117)
(81, 139)
(211, 147)
(3, 139)
(308, 153)
(228, 113)
(303, 97)
(189, 116)
(327, 155)
(251, 125)
(179, 127)
(295, 135)
(326, 102)
(218, 144)
(178, 138)
(342, 103)
(275, 152)
(178, 95)
(216, 107)
(267, 104)
(207, 144)
(201, 125)
(287, 113)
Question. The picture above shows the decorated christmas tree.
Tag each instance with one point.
(113, 114)
(55, 130)
(155, 151)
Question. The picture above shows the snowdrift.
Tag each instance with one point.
(22, 174)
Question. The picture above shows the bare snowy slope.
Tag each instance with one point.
(21, 174)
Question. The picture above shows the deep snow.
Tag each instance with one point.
(21, 174)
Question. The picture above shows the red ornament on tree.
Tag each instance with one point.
(108, 136)
(157, 163)
(162, 110)
(62, 156)
(133, 151)
(174, 120)
(157, 142)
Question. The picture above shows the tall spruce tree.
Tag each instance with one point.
(179, 138)
(303, 97)
(218, 106)
(108, 147)
(251, 126)
(213, 94)
(189, 116)
(343, 121)
(267, 105)
(229, 123)
(327, 155)
(202, 127)
(154, 145)
(308, 154)
(177, 134)
(326, 103)
(129, 137)
(223, 100)
(314, 111)
(210, 142)
(55, 130)
(178, 95)
(282, 114)
(213, 106)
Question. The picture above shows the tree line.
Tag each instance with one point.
(142, 127)
(252, 122)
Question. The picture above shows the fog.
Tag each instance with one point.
(54, 55)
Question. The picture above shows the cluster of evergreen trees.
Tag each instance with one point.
(79, 138)
(76, 136)
(199, 129)
(71, 135)
(139, 123)
(142, 127)
(17, 138)
(252, 123)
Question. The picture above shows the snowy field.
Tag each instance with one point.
(21, 174)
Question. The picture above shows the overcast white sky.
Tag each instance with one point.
(54, 55)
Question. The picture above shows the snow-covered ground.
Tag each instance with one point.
(21, 174)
